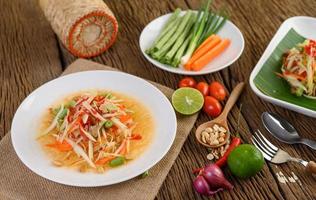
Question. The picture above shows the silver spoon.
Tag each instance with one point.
(283, 130)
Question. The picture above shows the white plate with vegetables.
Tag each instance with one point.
(192, 43)
(93, 128)
(283, 75)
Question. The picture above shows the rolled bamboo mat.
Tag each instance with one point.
(86, 27)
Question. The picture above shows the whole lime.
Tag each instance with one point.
(245, 161)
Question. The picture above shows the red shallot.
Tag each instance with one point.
(211, 180)
(215, 177)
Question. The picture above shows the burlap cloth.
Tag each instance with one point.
(18, 182)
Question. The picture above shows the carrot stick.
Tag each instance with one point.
(120, 150)
(187, 66)
(279, 74)
(209, 56)
(209, 39)
(213, 40)
(122, 147)
(64, 146)
(104, 160)
(300, 77)
(125, 118)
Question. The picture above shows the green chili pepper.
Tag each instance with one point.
(63, 113)
(109, 96)
(117, 161)
(55, 110)
(111, 107)
(108, 124)
(60, 122)
(71, 103)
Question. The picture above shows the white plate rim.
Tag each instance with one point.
(163, 154)
(184, 72)
(283, 29)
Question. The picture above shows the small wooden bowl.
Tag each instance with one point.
(203, 126)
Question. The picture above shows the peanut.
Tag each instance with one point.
(205, 134)
(215, 142)
(210, 156)
(216, 134)
(203, 138)
(221, 134)
(222, 129)
(212, 134)
(209, 130)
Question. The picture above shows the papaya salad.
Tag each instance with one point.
(299, 69)
(94, 131)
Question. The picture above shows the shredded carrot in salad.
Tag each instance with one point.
(299, 69)
(96, 129)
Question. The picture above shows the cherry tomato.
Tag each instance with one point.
(187, 82)
(310, 48)
(212, 107)
(203, 88)
(217, 91)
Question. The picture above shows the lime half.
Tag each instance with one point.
(187, 100)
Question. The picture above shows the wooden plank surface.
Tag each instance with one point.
(31, 55)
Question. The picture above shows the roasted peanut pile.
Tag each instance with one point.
(213, 135)
(218, 152)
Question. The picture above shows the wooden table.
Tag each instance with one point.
(30, 55)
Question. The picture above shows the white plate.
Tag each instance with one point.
(27, 117)
(306, 27)
(228, 57)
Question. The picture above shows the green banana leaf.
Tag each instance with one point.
(272, 85)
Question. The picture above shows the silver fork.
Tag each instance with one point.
(277, 155)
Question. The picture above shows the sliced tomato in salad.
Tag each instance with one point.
(310, 49)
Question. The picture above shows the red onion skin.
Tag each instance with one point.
(203, 188)
(215, 177)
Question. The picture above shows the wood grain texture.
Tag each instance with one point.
(32, 62)
(28, 55)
